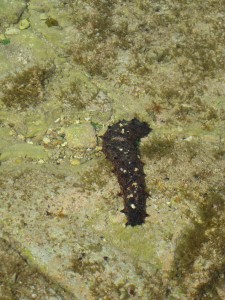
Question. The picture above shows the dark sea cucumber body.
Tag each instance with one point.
(120, 145)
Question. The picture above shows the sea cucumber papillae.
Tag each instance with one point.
(120, 145)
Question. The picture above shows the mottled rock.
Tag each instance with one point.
(10, 11)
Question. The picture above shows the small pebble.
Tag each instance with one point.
(75, 162)
(46, 140)
(24, 24)
(43, 16)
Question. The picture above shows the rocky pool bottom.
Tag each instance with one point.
(69, 69)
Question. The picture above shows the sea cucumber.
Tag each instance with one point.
(120, 146)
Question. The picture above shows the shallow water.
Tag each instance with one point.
(75, 68)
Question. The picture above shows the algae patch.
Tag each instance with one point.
(200, 252)
(159, 147)
(136, 242)
(26, 88)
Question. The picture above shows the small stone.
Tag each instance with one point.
(46, 140)
(33, 296)
(43, 16)
(24, 24)
(21, 137)
(5, 42)
(98, 148)
(57, 120)
(64, 144)
(189, 138)
(41, 161)
(81, 136)
(30, 142)
(75, 162)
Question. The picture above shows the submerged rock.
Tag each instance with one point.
(81, 136)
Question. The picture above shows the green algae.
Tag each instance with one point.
(97, 126)
(5, 41)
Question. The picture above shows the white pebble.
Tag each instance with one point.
(46, 140)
